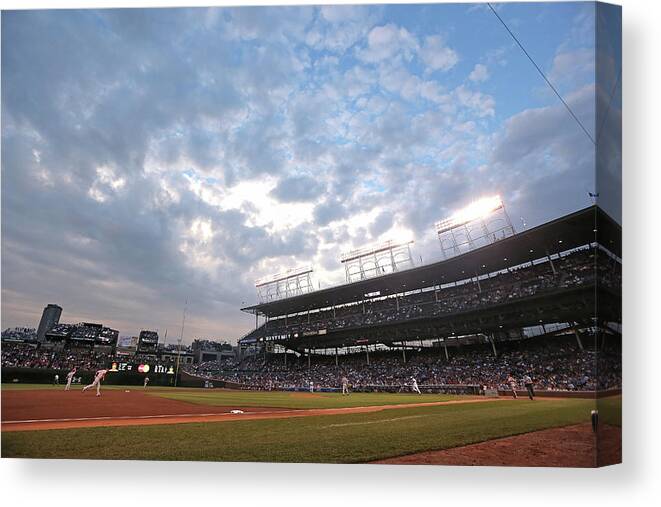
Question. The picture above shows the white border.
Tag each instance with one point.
(637, 482)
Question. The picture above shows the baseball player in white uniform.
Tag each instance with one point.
(146, 382)
(311, 386)
(345, 386)
(100, 375)
(511, 381)
(70, 378)
(414, 386)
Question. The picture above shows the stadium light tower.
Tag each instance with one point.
(377, 260)
(283, 285)
(482, 222)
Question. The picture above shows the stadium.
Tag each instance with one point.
(506, 351)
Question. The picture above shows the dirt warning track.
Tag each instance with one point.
(43, 411)
(571, 446)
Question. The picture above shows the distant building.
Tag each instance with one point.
(127, 345)
(211, 350)
(49, 318)
(148, 342)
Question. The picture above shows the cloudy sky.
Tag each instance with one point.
(154, 156)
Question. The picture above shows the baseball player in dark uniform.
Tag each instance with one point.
(529, 386)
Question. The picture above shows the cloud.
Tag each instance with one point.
(479, 73)
(297, 188)
(541, 150)
(573, 67)
(388, 41)
(481, 104)
(436, 55)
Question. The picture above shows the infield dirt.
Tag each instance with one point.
(46, 410)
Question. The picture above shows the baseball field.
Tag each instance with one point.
(223, 425)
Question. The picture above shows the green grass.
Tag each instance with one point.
(281, 399)
(348, 438)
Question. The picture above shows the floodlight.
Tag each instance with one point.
(482, 222)
(376, 260)
(476, 210)
(292, 282)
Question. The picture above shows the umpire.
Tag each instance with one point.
(529, 386)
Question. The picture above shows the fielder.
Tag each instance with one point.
(414, 386)
(70, 378)
(100, 375)
(56, 380)
(146, 382)
(311, 386)
(511, 381)
(345, 386)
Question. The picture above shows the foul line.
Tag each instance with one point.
(137, 420)
(116, 417)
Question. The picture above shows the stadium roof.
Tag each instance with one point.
(568, 232)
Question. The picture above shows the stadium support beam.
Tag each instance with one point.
(309, 354)
(445, 346)
(578, 337)
(336, 359)
(493, 345)
(548, 256)
(367, 352)
(404, 352)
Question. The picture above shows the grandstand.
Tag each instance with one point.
(19, 334)
(562, 278)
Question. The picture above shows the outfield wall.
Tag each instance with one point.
(563, 394)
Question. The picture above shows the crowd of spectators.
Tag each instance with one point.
(211, 369)
(31, 355)
(554, 364)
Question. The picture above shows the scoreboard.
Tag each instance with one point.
(142, 368)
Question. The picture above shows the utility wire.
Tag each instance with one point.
(542, 74)
(608, 107)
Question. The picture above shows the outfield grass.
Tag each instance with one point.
(283, 399)
(350, 438)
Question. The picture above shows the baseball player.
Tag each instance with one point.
(414, 386)
(56, 380)
(511, 381)
(527, 381)
(146, 382)
(311, 386)
(70, 378)
(100, 375)
(345, 386)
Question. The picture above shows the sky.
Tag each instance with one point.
(156, 156)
